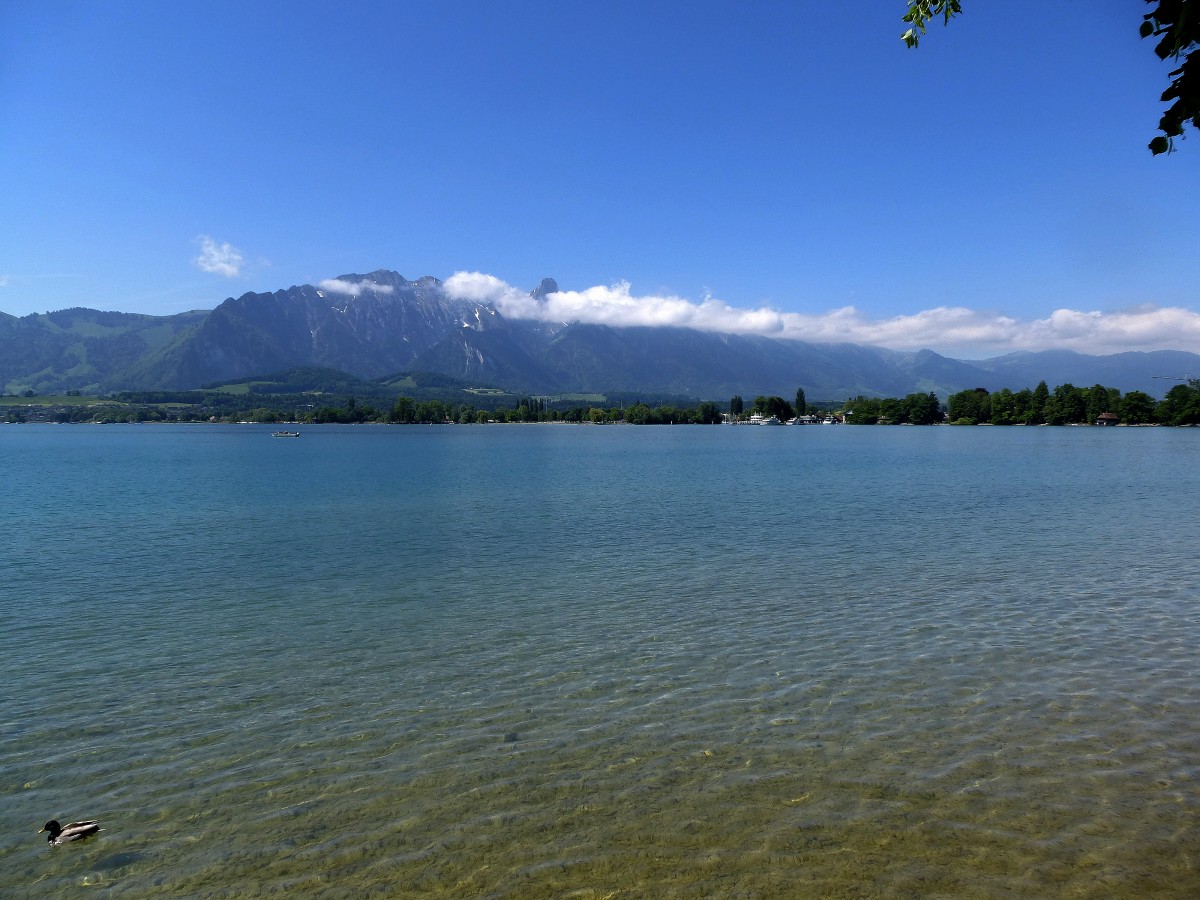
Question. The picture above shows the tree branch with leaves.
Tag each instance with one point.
(1176, 24)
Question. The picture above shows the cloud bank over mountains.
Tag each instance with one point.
(353, 288)
(955, 331)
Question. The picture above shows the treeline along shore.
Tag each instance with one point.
(1064, 405)
(1070, 405)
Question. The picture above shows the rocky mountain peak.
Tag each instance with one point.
(548, 286)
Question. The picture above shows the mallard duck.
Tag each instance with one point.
(74, 831)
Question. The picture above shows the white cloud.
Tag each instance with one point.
(961, 331)
(482, 288)
(955, 331)
(219, 259)
(4, 280)
(353, 288)
(613, 305)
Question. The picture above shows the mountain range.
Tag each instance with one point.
(377, 325)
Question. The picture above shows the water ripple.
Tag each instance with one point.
(627, 662)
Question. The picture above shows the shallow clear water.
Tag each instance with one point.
(550, 661)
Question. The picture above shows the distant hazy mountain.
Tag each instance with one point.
(1128, 371)
(376, 325)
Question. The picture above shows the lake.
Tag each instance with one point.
(601, 661)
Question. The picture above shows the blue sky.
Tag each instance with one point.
(784, 167)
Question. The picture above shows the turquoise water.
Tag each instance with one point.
(571, 661)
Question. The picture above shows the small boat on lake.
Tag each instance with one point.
(285, 434)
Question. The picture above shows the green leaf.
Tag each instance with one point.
(1160, 145)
